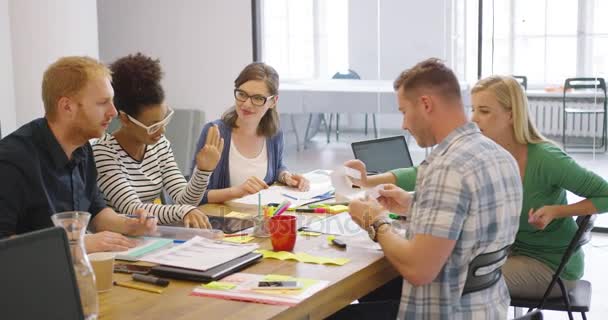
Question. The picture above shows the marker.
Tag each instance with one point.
(151, 279)
(179, 241)
(136, 286)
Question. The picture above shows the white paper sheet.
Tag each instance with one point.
(199, 254)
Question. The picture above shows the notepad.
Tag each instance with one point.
(146, 246)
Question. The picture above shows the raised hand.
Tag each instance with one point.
(210, 154)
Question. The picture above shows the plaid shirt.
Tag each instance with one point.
(468, 190)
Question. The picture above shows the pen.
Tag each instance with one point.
(289, 196)
(235, 235)
(136, 286)
(151, 279)
(310, 210)
(179, 241)
(137, 217)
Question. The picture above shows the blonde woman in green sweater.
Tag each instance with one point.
(500, 109)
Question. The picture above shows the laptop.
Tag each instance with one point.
(37, 277)
(382, 155)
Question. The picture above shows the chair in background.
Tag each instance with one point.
(597, 84)
(523, 81)
(534, 315)
(475, 282)
(577, 299)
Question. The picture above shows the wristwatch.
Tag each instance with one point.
(372, 231)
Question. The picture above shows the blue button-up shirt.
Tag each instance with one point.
(37, 180)
(468, 190)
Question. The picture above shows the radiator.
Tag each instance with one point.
(547, 115)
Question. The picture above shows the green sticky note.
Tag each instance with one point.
(217, 285)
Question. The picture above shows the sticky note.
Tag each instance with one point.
(240, 215)
(309, 233)
(217, 285)
(239, 239)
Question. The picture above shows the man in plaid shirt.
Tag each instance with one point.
(467, 202)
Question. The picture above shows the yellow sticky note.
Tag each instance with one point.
(157, 201)
(217, 285)
(239, 239)
(239, 215)
(337, 209)
(277, 277)
(281, 255)
(309, 233)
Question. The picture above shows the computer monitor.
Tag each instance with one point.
(381, 155)
(37, 277)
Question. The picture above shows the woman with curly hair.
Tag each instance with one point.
(136, 162)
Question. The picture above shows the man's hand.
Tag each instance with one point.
(144, 223)
(297, 181)
(210, 154)
(359, 166)
(542, 217)
(365, 211)
(250, 186)
(196, 219)
(395, 199)
(107, 241)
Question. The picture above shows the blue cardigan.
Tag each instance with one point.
(220, 178)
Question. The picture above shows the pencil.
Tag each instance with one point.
(136, 286)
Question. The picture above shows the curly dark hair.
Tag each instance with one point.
(136, 82)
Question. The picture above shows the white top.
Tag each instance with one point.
(128, 184)
(241, 168)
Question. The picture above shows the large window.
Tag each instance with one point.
(545, 40)
(305, 39)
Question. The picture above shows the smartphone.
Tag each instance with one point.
(278, 285)
(131, 268)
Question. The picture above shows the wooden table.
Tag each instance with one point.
(367, 270)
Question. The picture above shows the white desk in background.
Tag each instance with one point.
(342, 96)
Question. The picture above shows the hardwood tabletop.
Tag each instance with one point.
(367, 270)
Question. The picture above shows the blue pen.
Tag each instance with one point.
(288, 196)
(179, 241)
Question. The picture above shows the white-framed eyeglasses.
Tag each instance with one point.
(155, 127)
(256, 99)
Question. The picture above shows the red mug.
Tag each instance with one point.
(283, 232)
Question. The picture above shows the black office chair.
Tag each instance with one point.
(573, 84)
(534, 315)
(578, 299)
(523, 81)
(476, 282)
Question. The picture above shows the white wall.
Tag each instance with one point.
(41, 32)
(202, 45)
(409, 32)
(7, 89)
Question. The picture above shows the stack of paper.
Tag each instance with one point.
(199, 254)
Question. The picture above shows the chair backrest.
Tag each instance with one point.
(585, 83)
(523, 81)
(534, 315)
(476, 282)
(351, 74)
(580, 238)
(183, 133)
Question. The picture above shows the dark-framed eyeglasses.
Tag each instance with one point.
(257, 100)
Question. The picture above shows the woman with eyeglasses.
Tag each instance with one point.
(252, 158)
(135, 163)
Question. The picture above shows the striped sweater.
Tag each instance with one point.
(128, 184)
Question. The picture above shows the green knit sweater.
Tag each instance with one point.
(549, 173)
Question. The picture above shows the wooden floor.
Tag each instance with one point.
(320, 154)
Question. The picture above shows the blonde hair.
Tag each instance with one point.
(511, 97)
(66, 77)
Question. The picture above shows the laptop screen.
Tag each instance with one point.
(37, 277)
(382, 155)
